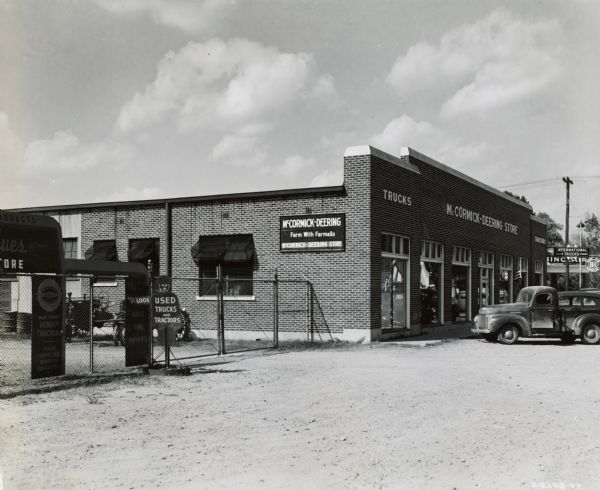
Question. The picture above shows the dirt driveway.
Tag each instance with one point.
(464, 414)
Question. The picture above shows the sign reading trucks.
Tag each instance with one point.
(313, 233)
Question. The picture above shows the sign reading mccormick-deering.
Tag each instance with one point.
(313, 233)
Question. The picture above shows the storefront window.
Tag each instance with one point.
(539, 273)
(432, 258)
(505, 279)
(394, 287)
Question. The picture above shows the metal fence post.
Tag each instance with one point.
(220, 312)
(276, 311)
(312, 313)
(307, 310)
(91, 319)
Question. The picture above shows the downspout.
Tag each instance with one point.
(168, 237)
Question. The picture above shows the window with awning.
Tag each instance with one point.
(141, 250)
(102, 250)
(235, 254)
(223, 249)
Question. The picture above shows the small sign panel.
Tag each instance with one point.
(313, 233)
(166, 317)
(47, 339)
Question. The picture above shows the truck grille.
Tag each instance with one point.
(482, 321)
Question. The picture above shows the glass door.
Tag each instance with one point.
(393, 293)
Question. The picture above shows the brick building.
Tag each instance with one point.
(404, 242)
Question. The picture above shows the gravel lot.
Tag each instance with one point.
(463, 414)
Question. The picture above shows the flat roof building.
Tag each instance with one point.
(405, 242)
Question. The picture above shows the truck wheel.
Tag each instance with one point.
(508, 334)
(591, 333)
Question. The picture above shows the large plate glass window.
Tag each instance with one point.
(486, 278)
(539, 273)
(523, 272)
(395, 251)
(505, 279)
(431, 280)
(460, 292)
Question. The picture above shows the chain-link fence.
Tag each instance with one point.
(88, 302)
(217, 317)
(240, 315)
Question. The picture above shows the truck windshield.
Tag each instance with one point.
(525, 296)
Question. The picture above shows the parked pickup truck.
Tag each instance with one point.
(541, 311)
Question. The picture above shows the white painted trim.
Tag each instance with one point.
(105, 284)
(364, 150)
(407, 151)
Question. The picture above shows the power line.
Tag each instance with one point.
(555, 180)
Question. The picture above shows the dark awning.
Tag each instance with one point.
(223, 248)
(143, 249)
(102, 250)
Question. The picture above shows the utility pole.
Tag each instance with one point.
(568, 182)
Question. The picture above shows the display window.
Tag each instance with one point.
(505, 279)
(431, 280)
(394, 281)
(539, 273)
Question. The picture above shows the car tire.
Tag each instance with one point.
(508, 334)
(591, 334)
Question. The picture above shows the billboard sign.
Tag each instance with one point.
(313, 233)
(30, 243)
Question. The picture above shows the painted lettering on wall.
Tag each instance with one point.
(481, 219)
(397, 198)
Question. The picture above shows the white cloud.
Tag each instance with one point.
(219, 85)
(241, 149)
(64, 154)
(191, 16)
(328, 177)
(497, 61)
(293, 166)
(428, 139)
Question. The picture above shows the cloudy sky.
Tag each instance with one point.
(104, 100)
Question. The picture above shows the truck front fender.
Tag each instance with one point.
(495, 322)
(583, 320)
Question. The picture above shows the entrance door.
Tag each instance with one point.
(393, 293)
(542, 314)
(484, 287)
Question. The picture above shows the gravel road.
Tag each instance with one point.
(463, 414)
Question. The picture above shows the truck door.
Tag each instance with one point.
(542, 312)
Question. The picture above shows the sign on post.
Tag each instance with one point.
(562, 255)
(47, 339)
(166, 317)
(137, 321)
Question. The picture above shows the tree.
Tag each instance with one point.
(553, 236)
(516, 196)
